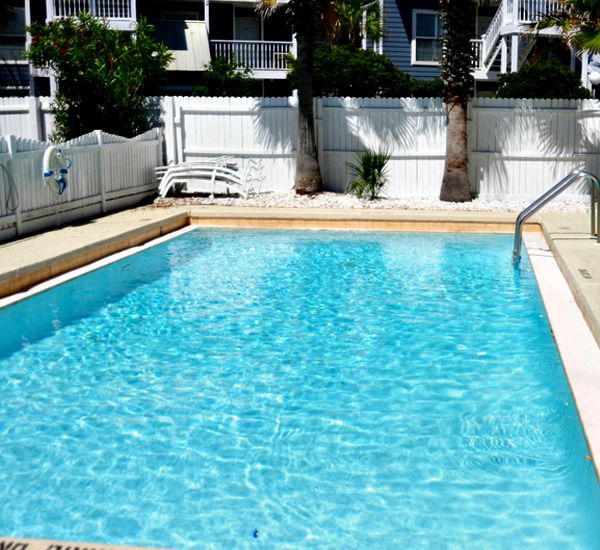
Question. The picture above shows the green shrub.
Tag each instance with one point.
(370, 172)
(224, 78)
(427, 88)
(346, 71)
(545, 79)
(104, 76)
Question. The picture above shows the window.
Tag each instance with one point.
(427, 38)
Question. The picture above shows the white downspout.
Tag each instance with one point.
(514, 53)
(585, 81)
(49, 10)
(381, 22)
(28, 43)
(207, 16)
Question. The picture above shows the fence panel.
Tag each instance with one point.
(131, 167)
(411, 130)
(243, 128)
(518, 148)
(108, 172)
(521, 147)
(27, 117)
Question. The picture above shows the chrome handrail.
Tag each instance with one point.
(553, 192)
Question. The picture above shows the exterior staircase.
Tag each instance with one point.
(508, 41)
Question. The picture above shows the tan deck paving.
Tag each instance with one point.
(12, 543)
(578, 256)
(31, 260)
(26, 262)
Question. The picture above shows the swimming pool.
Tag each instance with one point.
(301, 389)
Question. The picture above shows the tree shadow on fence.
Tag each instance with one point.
(275, 124)
(406, 128)
(522, 147)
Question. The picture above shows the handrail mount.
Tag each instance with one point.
(553, 192)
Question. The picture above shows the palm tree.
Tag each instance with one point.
(356, 19)
(579, 22)
(307, 19)
(458, 17)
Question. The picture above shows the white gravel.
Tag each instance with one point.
(342, 200)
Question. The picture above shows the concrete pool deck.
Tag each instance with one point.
(29, 261)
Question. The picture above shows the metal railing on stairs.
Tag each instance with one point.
(552, 193)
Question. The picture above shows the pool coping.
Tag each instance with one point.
(18, 543)
(565, 260)
(577, 346)
(29, 261)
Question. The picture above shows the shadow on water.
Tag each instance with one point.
(44, 314)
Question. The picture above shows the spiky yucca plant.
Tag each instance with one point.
(370, 172)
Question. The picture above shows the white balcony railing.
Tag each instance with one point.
(256, 54)
(529, 11)
(120, 14)
(513, 14)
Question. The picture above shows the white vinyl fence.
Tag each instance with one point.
(108, 172)
(26, 117)
(519, 148)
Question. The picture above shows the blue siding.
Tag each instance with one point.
(397, 21)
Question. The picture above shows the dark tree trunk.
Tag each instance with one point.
(308, 175)
(455, 184)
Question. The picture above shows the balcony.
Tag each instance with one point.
(500, 45)
(266, 59)
(119, 14)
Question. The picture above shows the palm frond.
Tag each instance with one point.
(588, 39)
(266, 7)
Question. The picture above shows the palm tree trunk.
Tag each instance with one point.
(308, 176)
(458, 17)
(455, 183)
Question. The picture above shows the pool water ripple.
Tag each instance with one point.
(287, 389)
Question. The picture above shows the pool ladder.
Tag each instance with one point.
(553, 192)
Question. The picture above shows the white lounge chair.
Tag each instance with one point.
(210, 175)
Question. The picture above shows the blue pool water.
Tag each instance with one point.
(294, 390)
